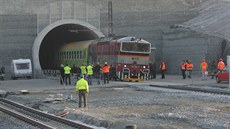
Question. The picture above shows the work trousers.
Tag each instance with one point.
(97, 75)
(106, 77)
(204, 76)
(162, 74)
(75, 77)
(183, 73)
(62, 78)
(67, 77)
(89, 79)
(82, 93)
(189, 72)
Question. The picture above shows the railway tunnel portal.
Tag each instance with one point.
(56, 28)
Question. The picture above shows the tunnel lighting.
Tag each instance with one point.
(73, 31)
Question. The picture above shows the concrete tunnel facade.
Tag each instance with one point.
(53, 36)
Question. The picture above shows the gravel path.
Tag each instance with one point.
(147, 107)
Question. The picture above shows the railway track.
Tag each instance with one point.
(225, 91)
(38, 118)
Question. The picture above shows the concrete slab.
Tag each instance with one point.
(40, 85)
(24, 91)
(2, 93)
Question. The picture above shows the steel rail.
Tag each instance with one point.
(25, 118)
(68, 122)
(197, 89)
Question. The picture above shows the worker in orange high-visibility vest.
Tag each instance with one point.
(220, 65)
(189, 68)
(183, 69)
(105, 72)
(204, 67)
(162, 69)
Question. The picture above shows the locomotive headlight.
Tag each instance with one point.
(144, 67)
(124, 65)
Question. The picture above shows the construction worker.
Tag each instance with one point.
(2, 72)
(74, 73)
(89, 73)
(204, 67)
(67, 70)
(105, 71)
(62, 74)
(220, 65)
(183, 69)
(83, 70)
(152, 71)
(97, 72)
(112, 73)
(78, 72)
(162, 68)
(82, 88)
(189, 68)
(213, 69)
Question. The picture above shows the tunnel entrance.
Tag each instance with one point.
(58, 36)
(54, 36)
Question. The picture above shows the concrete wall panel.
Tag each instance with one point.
(195, 48)
(17, 38)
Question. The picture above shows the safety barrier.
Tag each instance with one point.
(51, 72)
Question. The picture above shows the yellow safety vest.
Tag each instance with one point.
(82, 84)
(89, 70)
(67, 69)
(83, 69)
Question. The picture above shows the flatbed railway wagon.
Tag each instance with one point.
(128, 57)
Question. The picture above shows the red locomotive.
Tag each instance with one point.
(127, 56)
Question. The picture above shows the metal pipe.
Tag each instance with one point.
(131, 127)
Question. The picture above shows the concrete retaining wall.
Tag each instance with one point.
(183, 44)
(17, 34)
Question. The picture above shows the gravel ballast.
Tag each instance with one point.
(141, 105)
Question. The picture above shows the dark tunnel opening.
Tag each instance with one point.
(58, 36)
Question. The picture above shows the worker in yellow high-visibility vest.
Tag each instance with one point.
(67, 70)
(89, 73)
(82, 88)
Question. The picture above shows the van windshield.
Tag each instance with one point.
(22, 66)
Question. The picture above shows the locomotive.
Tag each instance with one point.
(127, 56)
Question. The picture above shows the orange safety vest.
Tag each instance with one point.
(189, 66)
(221, 65)
(105, 69)
(183, 66)
(163, 66)
(204, 66)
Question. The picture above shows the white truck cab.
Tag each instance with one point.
(21, 68)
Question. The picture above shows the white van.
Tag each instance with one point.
(21, 68)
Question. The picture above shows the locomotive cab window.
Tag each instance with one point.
(135, 47)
